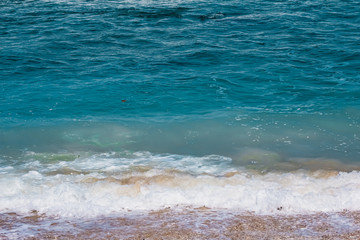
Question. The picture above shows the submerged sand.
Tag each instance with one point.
(200, 223)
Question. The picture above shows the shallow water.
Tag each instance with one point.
(199, 223)
(115, 106)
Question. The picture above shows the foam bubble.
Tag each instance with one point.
(112, 183)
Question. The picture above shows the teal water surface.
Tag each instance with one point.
(190, 77)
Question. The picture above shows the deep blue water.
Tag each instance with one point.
(263, 74)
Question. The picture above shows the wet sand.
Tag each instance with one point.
(200, 223)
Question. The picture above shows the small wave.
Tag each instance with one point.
(104, 184)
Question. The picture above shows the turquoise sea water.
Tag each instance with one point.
(102, 87)
(169, 61)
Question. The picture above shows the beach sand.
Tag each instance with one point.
(199, 223)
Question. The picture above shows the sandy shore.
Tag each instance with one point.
(200, 223)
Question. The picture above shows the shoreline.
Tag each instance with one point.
(189, 223)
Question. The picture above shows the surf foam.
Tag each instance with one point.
(102, 184)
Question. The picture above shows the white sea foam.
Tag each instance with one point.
(109, 183)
